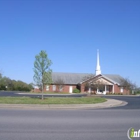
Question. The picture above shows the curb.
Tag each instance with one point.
(108, 104)
(51, 94)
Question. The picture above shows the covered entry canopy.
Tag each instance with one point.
(101, 84)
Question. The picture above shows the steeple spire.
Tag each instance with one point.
(98, 70)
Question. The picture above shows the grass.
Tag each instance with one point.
(29, 100)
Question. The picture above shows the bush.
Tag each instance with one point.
(2, 87)
(137, 92)
(76, 90)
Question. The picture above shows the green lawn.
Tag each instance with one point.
(28, 100)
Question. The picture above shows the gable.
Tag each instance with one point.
(99, 79)
(103, 81)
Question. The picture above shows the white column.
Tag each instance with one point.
(89, 90)
(97, 91)
(105, 88)
(113, 88)
(70, 89)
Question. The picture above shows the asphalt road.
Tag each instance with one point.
(67, 124)
(101, 124)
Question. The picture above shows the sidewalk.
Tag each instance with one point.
(109, 103)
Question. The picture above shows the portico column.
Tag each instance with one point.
(89, 90)
(113, 89)
(97, 90)
(105, 88)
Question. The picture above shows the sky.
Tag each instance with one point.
(70, 31)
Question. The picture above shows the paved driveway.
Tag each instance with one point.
(16, 94)
(133, 101)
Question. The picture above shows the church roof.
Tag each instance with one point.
(69, 78)
(114, 77)
(75, 78)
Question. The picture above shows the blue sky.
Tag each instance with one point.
(70, 31)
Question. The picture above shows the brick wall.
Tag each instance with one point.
(117, 90)
(82, 88)
(65, 88)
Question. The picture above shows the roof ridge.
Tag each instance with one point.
(72, 73)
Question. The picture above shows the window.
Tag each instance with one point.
(36, 87)
(47, 88)
(54, 87)
(60, 88)
(121, 89)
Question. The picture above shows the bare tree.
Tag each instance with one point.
(128, 85)
(59, 84)
(1, 74)
(98, 85)
(86, 80)
(88, 77)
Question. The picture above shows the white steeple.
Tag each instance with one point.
(98, 69)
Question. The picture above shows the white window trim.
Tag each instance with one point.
(54, 87)
(47, 87)
(121, 89)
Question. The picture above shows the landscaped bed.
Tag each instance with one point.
(52, 100)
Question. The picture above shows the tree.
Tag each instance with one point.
(42, 71)
(93, 84)
(87, 84)
(0, 76)
(7, 84)
(59, 84)
(128, 85)
(100, 85)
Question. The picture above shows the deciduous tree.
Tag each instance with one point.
(42, 71)
(128, 85)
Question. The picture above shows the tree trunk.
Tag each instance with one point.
(42, 92)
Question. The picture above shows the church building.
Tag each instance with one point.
(97, 83)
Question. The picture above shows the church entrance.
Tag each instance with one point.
(105, 89)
